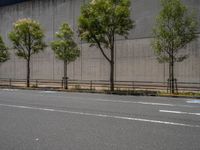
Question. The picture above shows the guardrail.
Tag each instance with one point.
(99, 84)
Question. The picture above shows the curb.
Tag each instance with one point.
(125, 93)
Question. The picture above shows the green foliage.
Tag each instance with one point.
(4, 55)
(175, 28)
(65, 47)
(101, 20)
(27, 38)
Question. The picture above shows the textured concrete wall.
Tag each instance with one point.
(134, 57)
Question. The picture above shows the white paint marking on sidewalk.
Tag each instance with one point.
(102, 115)
(179, 112)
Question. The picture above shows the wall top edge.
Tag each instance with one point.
(10, 2)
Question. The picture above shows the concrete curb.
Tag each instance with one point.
(125, 93)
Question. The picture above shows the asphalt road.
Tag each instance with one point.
(45, 120)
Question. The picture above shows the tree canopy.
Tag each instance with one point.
(27, 38)
(65, 47)
(175, 28)
(4, 54)
(99, 24)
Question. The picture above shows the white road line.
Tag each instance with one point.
(120, 101)
(156, 104)
(48, 92)
(194, 101)
(102, 115)
(179, 112)
(132, 102)
(10, 90)
(125, 101)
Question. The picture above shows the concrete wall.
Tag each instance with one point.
(134, 57)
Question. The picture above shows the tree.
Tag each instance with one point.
(100, 22)
(27, 38)
(65, 48)
(4, 54)
(175, 28)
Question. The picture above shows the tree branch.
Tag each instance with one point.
(101, 49)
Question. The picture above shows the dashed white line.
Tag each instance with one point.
(179, 112)
(132, 102)
(102, 115)
(48, 92)
(10, 90)
(156, 104)
(194, 101)
(124, 101)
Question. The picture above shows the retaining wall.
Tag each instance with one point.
(135, 60)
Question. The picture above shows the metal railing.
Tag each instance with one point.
(100, 84)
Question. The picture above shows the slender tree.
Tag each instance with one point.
(27, 38)
(175, 28)
(100, 22)
(65, 48)
(4, 54)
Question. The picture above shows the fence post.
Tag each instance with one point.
(36, 83)
(176, 86)
(91, 85)
(65, 82)
(133, 85)
(62, 83)
(168, 84)
(10, 82)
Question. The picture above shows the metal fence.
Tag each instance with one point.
(100, 84)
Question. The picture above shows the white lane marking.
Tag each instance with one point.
(120, 101)
(194, 101)
(131, 102)
(124, 101)
(48, 92)
(102, 115)
(156, 104)
(10, 90)
(179, 112)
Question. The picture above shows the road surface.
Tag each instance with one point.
(47, 120)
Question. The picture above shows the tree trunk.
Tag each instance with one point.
(112, 69)
(169, 79)
(65, 76)
(28, 73)
(171, 75)
(172, 70)
(112, 76)
(28, 61)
